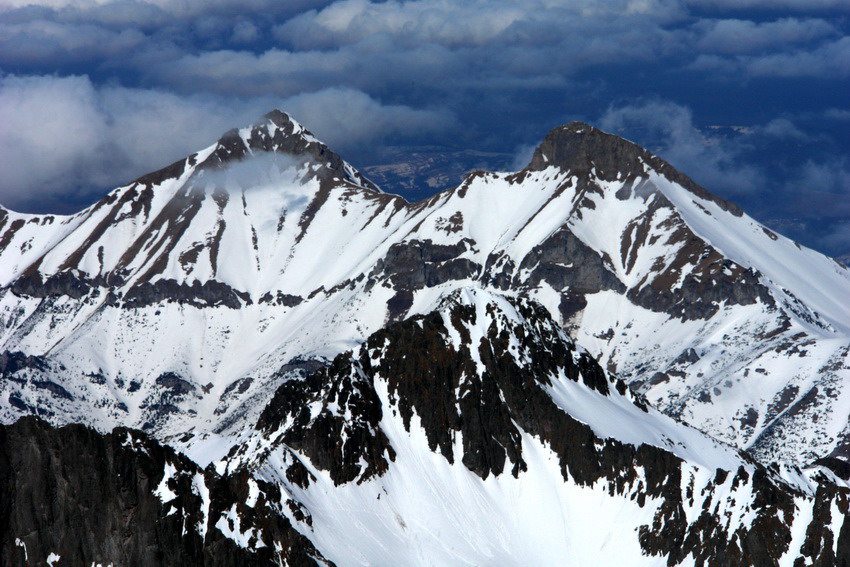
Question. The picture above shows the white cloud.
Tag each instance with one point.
(668, 129)
(467, 23)
(784, 128)
(65, 137)
(831, 59)
(826, 176)
(343, 117)
(438, 21)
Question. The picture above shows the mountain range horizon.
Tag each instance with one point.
(256, 356)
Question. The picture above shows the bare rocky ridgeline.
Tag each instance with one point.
(214, 304)
(125, 499)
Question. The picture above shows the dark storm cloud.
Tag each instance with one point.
(487, 74)
(829, 60)
(743, 36)
(772, 5)
(42, 43)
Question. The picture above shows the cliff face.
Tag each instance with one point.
(477, 433)
(84, 498)
(487, 385)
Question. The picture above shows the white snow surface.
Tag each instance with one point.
(281, 231)
(427, 511)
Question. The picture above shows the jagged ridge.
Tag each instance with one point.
(639, 263)
(485, 383)
(83, 498)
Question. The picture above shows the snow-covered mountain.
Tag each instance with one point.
(182, 300)
(476, 434)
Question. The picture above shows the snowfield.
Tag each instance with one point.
(265, 255)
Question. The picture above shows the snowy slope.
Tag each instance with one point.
(476, 434)
(266, 255)
(481, 435)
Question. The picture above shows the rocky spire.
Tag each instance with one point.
(582, 149)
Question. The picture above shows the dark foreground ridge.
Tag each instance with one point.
(123, 499)
(436, 380)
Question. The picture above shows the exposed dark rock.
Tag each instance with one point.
(781, 402)
(565, 262)
(92, 499)
(172, 171)
(238, 387)
(441, 383)
(498, 271)
(572, 303)
(749, 419)
(840, 467)
(12, 362)
(61, 284)
(581, 148)
(821, 547)
(399, 305)
(429, 378)
(176, 385)
(688, 356)
(302, 366)
(280, 298)
(8, 232)
(703, 290)
(344, 434)
(53, 388)
(417, 263)
(209, 294)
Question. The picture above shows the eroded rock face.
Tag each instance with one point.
(484, 392)
(123, 499)
(580, 147)
(565, 262)
(209, 294)
(471, 372)
(623, 250)
(478, 378)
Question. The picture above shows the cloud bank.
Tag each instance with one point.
(134, 84)
(67, 138)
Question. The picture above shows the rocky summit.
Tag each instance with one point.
(256, 356)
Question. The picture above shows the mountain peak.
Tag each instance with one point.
(278, 116)
(581, 148)
(577, 127)
(584, 149)
(277, 120)
(275, 132)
